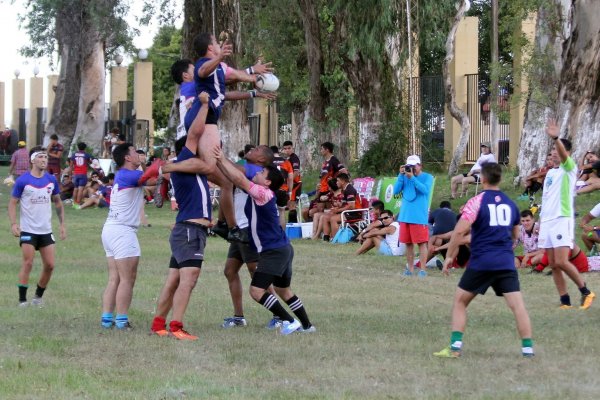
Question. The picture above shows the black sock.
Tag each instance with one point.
(271, 303)
(584, 290)
(565, 299)
(292, 217)
(298, 308)
(22, 293)
(39, 292)
(326, 238)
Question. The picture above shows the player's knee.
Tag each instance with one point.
(256, 293)
(48, 267)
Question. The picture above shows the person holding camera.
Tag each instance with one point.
(415, 187)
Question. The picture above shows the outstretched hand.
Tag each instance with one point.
(552, 128)
(260, 68)
(226, 49)
(266, 95)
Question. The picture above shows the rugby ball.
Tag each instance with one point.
(267, 82)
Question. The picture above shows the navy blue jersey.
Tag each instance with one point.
(493, 216)
(214, 85)
(263, 220)
(191, 191)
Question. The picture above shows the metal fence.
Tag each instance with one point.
(430, 116)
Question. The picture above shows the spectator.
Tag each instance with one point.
(443, 220)
(385, 238)
(576, 257)
(593, 181)
(415, 187)
(66, 188)
(95, 165)
(110, 141)
(473, 175)
(55, 151)
(166, 154)
(534, 181)
(79, 162)
(101, 193)
(330, 169)
(585, 166)
(296, 188)
(377, 207)
(350, 201)
(285, 191)
(19, 162)
(334, 199)
(591, 233)
(121, 138)
(529, 231)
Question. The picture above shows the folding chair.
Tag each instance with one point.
(215, 192)
(355, 221)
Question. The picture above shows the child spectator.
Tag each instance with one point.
(528, 237)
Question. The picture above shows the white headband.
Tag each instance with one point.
(35, 154)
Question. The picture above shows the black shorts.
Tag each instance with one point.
(502, 281)
(274, 267)
(476, 176)
(242, 252)
(212, 117)
(187, 245)
(282, 198)
(37, 241)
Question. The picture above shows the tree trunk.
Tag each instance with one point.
(90, 121)
(196, 19)
(573, 46)
(457, 113)
(63, 116)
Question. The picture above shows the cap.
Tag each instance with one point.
(21, 143)
(413, 160)
(486, 144)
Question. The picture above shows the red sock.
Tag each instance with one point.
(175, 326)
(540, 267)
(159, 324)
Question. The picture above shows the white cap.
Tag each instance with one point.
(413, 160)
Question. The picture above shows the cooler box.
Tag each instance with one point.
(293, 231)
(306, 230)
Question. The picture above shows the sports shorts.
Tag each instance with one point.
(558, 232)
(502, 281)
(385, 249)
(296, 190)
(37, 241)
(476, 176)
(187, 241)
(413, 233)
(242, 252)
(120, 241)
(80, 180)
(274, 267)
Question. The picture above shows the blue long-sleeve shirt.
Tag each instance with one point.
(415, 197)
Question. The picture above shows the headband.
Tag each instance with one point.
(35, 154)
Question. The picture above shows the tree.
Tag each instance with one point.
(567, 52)
(83, 32)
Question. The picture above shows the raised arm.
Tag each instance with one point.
(241, 95)
(209, 67)
(230, 171)
(553, 131)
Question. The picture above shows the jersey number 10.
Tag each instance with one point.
(500, 215)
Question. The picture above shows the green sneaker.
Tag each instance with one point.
(447, 353)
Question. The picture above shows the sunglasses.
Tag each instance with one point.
(382, 218)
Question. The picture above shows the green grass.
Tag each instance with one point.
(376, 331)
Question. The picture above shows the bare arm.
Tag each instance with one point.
(240, 95)
(230, 171)
(208, 67)
(462, 228)
(12, 216)
(552, 130)
(60, 213)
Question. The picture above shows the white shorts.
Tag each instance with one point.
(120, 241)
(558, 232)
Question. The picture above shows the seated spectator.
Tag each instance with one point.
(576, 257)
(385, 238)
(333, 198)
(585, 166)
(528, 236)
(95, 166)
(66, 188)
(101, 197)
(473, 175)
(593, 181)
(464, 251)
(535, 180)
(443, 220)
(350, 201)
(591, 233)
(377, 207)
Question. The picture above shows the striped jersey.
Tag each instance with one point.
(493, 216)
(559, 191)
(192, 192)
(126, 199)
(36, 195)
(214, 85)
(263, 220)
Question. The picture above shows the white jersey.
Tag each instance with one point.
(393, 238)
(187, 92)
(559, 191)
(483, 159)
(239, 202)
(126, 199)
(36, 195)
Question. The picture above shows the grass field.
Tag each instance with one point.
(376, 334)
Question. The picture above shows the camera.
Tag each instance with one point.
(408, 168)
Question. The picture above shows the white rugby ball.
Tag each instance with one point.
(267, 82)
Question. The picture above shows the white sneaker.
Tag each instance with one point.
(37, 301)
(312, 329)
(23, 304)
(290, 327)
